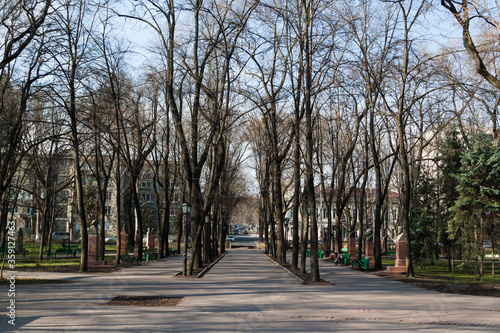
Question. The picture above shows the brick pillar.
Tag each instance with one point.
(369, 249)
(369, 253)
(93, 249)
(400, 264)
(400, 254)
(123, 242)
(150, 241)
(136, 247)
(352, 247)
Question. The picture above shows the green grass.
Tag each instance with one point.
(463, 274)
(33, 249)
(46, 265)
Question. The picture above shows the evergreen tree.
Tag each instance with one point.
(423, 216)
(449, 163)
(478, 198)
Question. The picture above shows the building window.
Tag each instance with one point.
(107, 210)
(147, 184)
(146, 197)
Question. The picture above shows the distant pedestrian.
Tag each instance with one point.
(63, 243)
(338, 258)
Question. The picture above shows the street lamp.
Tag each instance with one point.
(286, 232)
(206, 243)
(186, 211)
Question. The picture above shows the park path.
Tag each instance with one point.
(245, 292)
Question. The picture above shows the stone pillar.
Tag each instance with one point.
(400, 264)
(369, 249)
(93, 252)
(150, 241)
(352, 247)
(136, 247)
(400, 254)
(93, 247)
(369, 253)
(123, 242)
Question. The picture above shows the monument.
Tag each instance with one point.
(93, 260)
(400, 263)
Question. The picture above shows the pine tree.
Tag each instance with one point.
(449, 163)
(479, 198)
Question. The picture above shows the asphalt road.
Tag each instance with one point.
(245, 240)
(243, 292)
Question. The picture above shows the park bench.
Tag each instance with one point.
(150, 256)
(73, 250)
(127, 259)
(172, 252)
(321, 253)
(363, 262)
(23, 252)
(345, 258)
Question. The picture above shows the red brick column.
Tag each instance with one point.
(400, 264)
(400, 254)
(369, 253)
(352, 247)
(93, 253)
(123, 242)
(150, 242)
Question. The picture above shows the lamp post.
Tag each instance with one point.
(286, 232)
(186, 210)
(206, 243)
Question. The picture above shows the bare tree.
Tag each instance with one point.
(18, 85)
(70, 53)
(20, 22)
(268, 96)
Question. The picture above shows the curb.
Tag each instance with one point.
(299, 280)
(203, 272)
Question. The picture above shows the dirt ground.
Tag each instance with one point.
(145, 301)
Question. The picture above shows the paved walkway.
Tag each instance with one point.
(244, 292)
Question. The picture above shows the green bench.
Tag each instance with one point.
(150, 256)
(365, 263)
(321, 253)
(487, 256)
(73, 250)
(126, 259)
(172, 252)
(23, 252)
